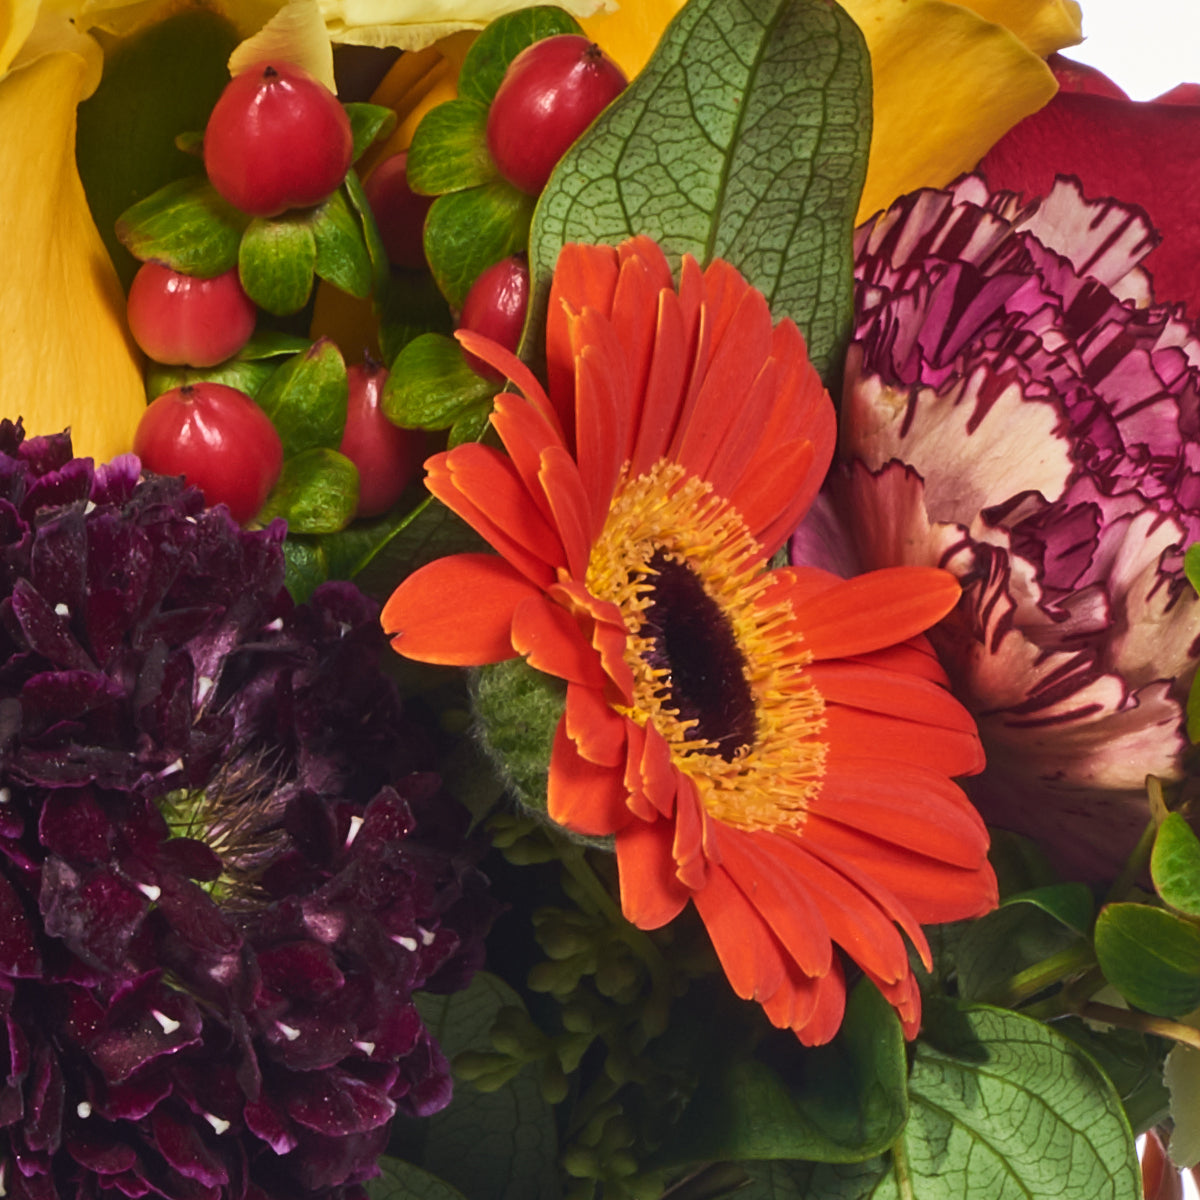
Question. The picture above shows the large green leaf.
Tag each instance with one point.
(499, 1145)
(1151, 956)
(399, 1180)
(1000, 1108)
(848, 1105)
(744, 138)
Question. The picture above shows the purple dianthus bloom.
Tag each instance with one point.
(1018, 410)
(222, 871)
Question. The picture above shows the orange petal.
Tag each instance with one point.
(688, 844)
(600, 734)
(639, 804)
(868, 612)
(899, 694)
(659, 776)
(582, 796)
(752, 958)
(650, 894)
(525, 433)
(766, 495)
(914, 657)
(811, 1008)
(551, 641)
(569, 502)
(483, 488)
(780, 895)
(602, 414)
(945, 751)
(457, 611)
(666, 384)
(511, 367)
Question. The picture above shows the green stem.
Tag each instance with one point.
(1126, 1018)
(904, 1180)
(1042, 975)
(1135, 864)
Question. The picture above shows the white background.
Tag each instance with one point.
(1146, 46)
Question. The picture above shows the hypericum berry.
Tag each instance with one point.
(551, 92)
(276, 139)
(186, 321)
(399, 212)
(387, 457)
(218, 439)
(496, 306)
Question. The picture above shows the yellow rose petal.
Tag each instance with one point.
(948, 84)
(67, 358)
(630, 34)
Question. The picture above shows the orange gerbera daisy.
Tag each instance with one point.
(774, 745)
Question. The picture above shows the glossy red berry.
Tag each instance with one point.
(496, 306)
(186, 321)
(218, 439)
(387, 457)
(551, 92)
(276, 139)
(399, 212)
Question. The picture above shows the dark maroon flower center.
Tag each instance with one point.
(694, 642)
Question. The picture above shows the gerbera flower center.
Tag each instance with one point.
(717, 663)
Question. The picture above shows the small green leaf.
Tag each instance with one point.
(996, 949)
(449, 149)
(342, 255)
(185, 225)
(376, 251)
(470, 425)
(1068, 903)
(276, 261)
(499, 1145)
(1175, 865)
(247, 377)
(1151, 956)
(304, 566)
(501, 42)
(430, 384)
(399, 1180)
(1191, 566)
(744, 138)
(466, 232)
(272, 343)
(850, 1104)
(305, 398)
(369, 123)
(317, 492)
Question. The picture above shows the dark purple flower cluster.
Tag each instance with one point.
(222, 874)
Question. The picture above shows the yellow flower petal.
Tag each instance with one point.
(1043, 25)
(948, 84)
(296, 34)
(630, 34)
(67, 356)
(16, 22)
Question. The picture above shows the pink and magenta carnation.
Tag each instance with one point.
(1018, 410)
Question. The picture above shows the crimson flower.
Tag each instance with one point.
(1016, 410)
(774, 746)
(1147, 153)
(221, 878)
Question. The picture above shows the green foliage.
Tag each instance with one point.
(849, 1102)
(744, 138)
(317, 492)
(1151, 956)
(161, 80)
(369, 123)
(449, 149)
(247, 370)
(494, 1145)
(502, 41)
(276, 260)
(186, 226)
(342, 256)
(431, 385)
(1175, 865)
(305, 397)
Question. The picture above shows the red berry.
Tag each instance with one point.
(276, 139)
(399, 211)
(218, 439)
(387, 457)
(551, 92)
(496, 306)
(186, 321)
